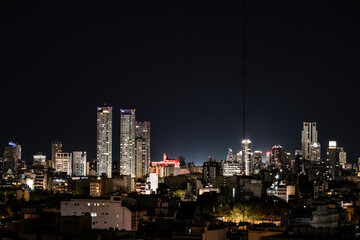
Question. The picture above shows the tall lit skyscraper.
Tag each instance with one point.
(56, 147)
(78, 163)
(127, 142)
(247, 157)
(309, 142)
(104, 141)
(142, 149)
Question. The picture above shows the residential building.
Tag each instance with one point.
(105, 213)
(78, 163)
(127, 142)
(63, 163)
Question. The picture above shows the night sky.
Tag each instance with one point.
(179, 64)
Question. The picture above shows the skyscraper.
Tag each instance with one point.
(309, 142)
(9, 164)
(104, 141)
(56, 147)
(127, 142)
(247, 157)
(142, 149)
(332, 161)
(78, 163)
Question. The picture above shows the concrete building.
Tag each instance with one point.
(127, 142)
(105, 213)
(309, 142)
(78, 163)
(104, 141)
(63, 163)
(142, 149)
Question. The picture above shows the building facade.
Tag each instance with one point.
(78, 163)
(63, 163)
(105, 213)
(104, 141)
(127, 142)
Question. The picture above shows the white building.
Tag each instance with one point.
(104, 141)
(78, 163)
(309, 142)
(63, 162)
(152, 183)
(105, 213)
(247, 157)
(127, 142)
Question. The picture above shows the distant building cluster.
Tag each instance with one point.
(249, 192)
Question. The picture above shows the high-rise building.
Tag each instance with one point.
(127, 142)
(142, 149)
(247, 156)
(63, 163)
(104, 141)
(258, 161)
(309, 142)
(211, 169)
(39, 159)
(333, 161)
(78, 163)
(342, 157)
(278, 156)
(56, 147)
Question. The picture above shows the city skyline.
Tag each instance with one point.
(301, 67)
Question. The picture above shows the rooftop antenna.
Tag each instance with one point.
(244, 66)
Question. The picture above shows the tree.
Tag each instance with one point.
(179, 193)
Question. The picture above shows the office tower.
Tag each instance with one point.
(278, 156)
(309, 142)
(39, 159)
(211, 169)
(127, 142)
(247, 156)
(142, 149)
(56, 147)
(78, 163)
(104, 141)
(332, 161)
(298, 165)
(63, 163)
(9, 164)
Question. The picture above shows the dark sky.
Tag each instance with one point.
(179, 63)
